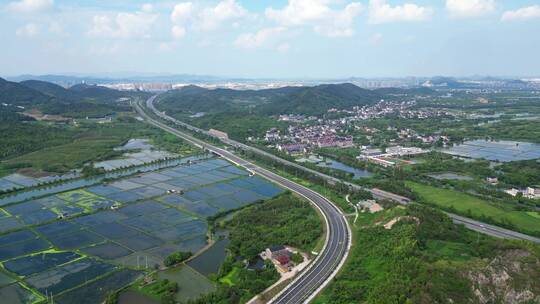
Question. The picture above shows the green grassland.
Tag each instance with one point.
(88, 142)
(469, 205)
(67, 156)
(424, 258)
(231, 278)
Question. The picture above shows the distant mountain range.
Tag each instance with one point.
(441, 82)
(53, 98)
(305, 100)
(72, 80)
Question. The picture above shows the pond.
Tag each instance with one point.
(503, 151)
(210, 260)
(191, 283)
(334, 164)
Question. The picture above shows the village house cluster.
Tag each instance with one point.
(410, 134)
(280, 256)
(305, 134)
(302, 138)
(529, 192)
(384, 108)
(297, 118)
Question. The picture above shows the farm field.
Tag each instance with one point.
(104, 237)
(463, 204)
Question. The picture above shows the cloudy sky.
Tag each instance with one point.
(272, 38)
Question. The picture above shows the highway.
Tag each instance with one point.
(491, 230)
(338, 236)
(377, 193)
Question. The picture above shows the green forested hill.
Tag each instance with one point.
(79, 101)
(51, 89)
(20, 95)
(318, 99)
(77, 93)
(301, 100)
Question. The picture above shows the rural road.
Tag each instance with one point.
(338, 238)
(377, 193)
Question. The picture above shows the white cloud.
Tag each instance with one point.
(28, 30)
(123, 25)
(210, 18)
(469, 8)
(182, 12)
(30, 6)
(206, 18)
(299, 12)
(261, 38)
(147, 8)
(528, 12)
(319, 15)
(178, 31)
(382, 12)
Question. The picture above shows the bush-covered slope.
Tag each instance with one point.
(425, 258)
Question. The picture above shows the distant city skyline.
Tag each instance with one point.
(271, 39)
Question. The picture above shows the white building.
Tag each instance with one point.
(532, 193)
(403, 151)
(512, 192)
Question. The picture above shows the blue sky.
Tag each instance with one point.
(279, 38)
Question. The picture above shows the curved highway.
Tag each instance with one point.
(338, 238)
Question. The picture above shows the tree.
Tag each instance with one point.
(297, 258)
(176, 258)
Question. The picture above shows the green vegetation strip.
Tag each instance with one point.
(474, 207)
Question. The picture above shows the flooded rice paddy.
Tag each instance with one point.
(82, 243)
(503, 151)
